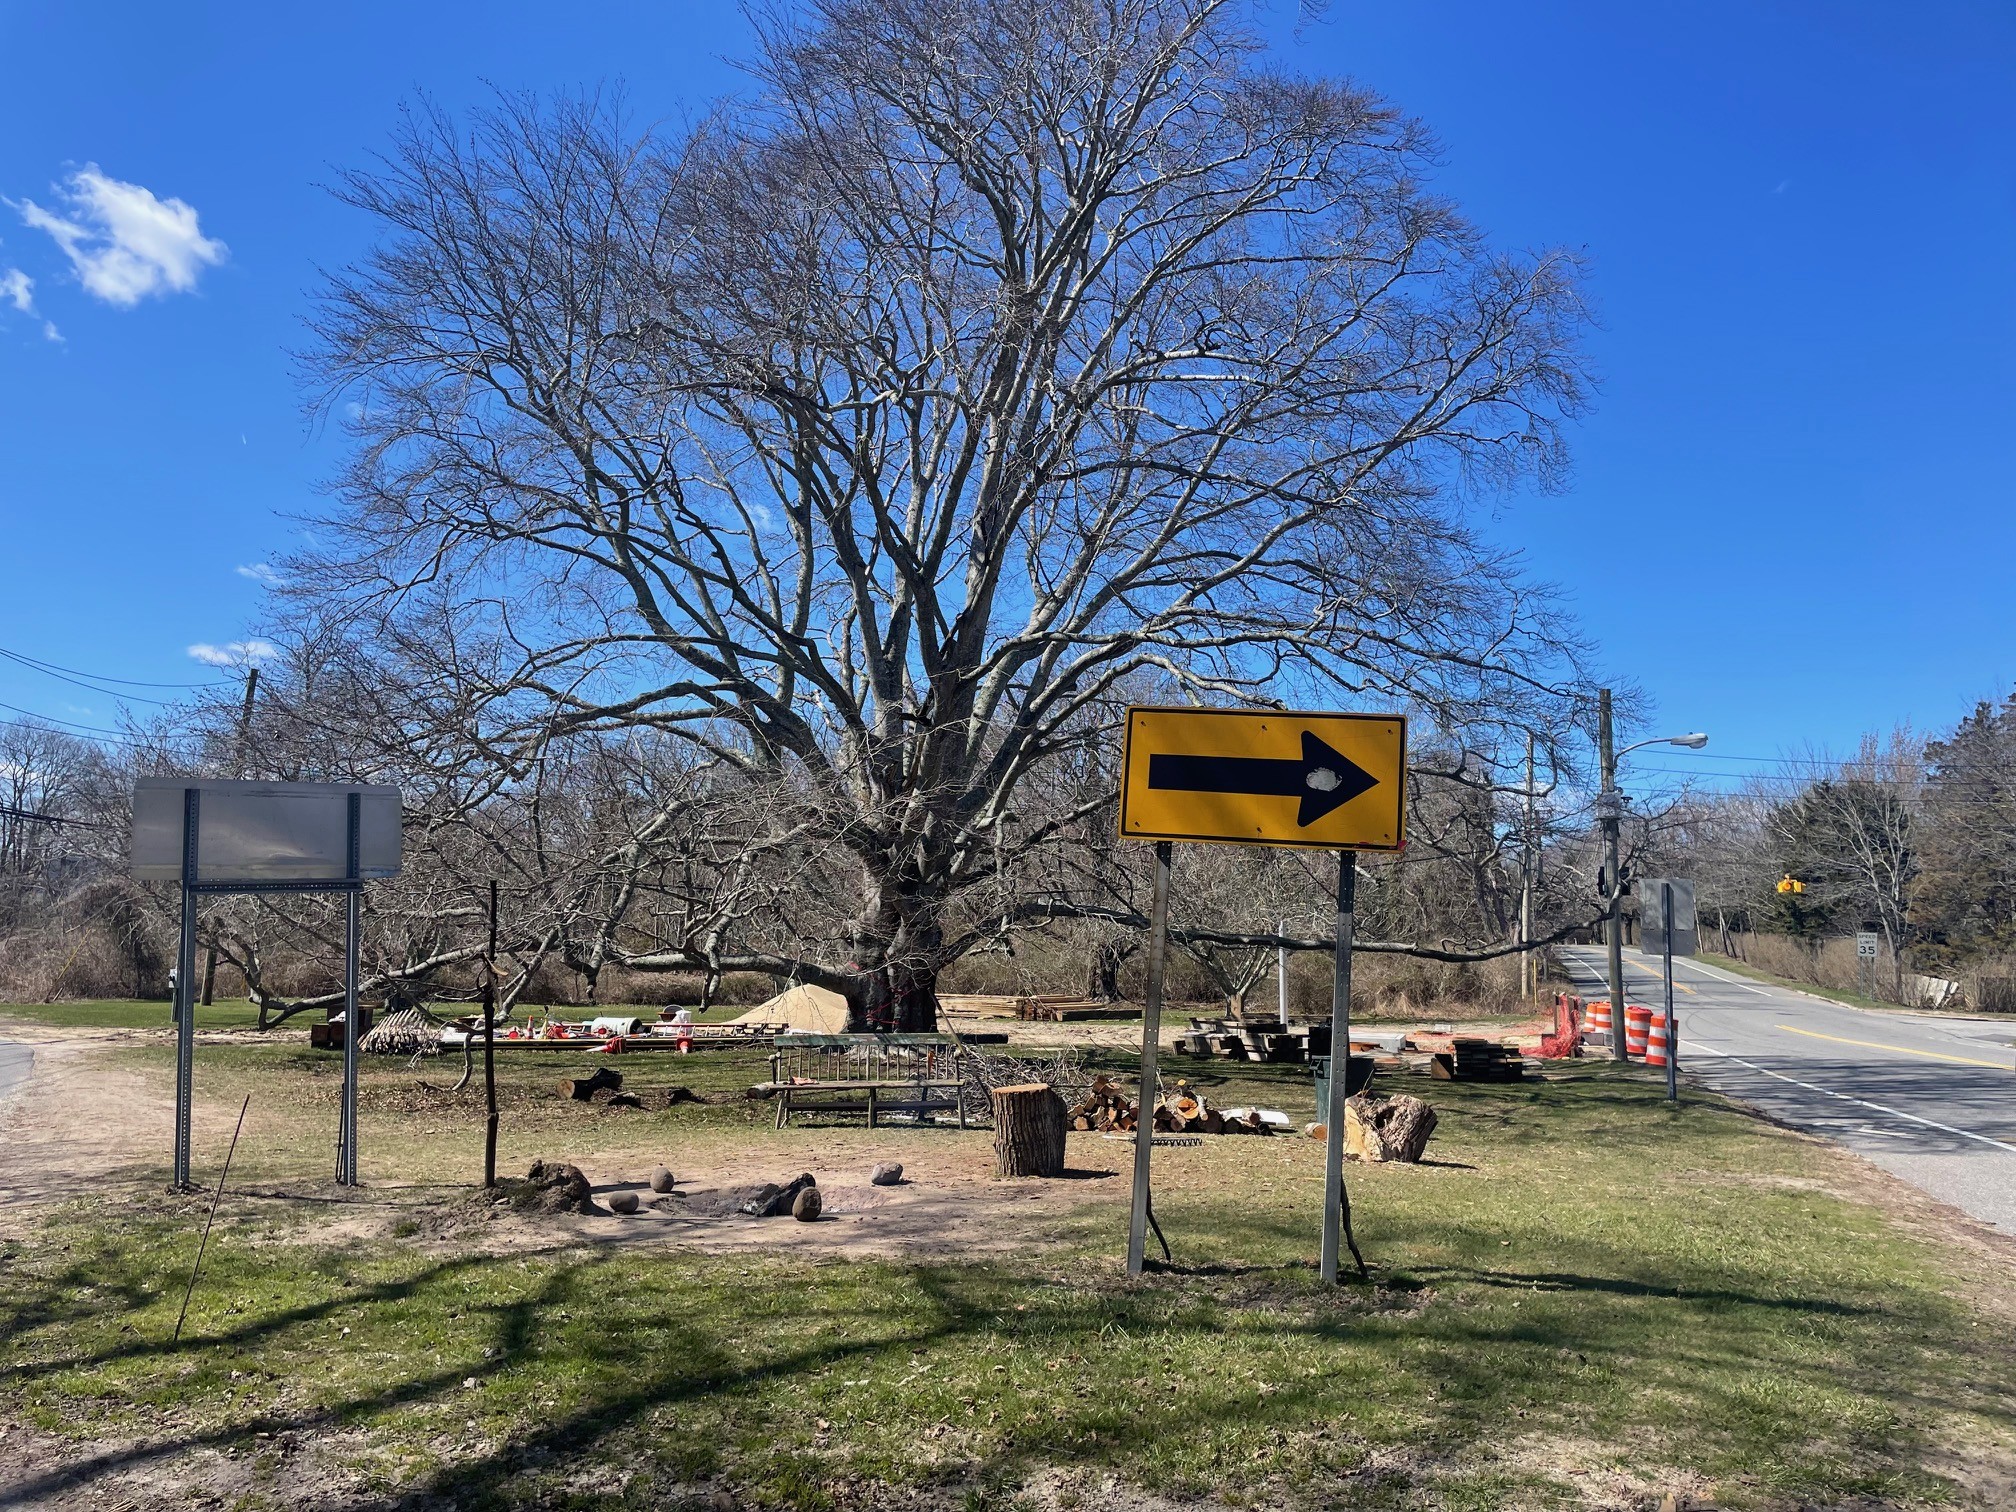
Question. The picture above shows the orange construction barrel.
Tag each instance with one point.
(1637, 1030)
(1658, 1039)
(1596, 1018)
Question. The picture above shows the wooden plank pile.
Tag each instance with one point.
(1107, 1109)
(1056, 1008)
(1254, 1039)
(1473, 1059)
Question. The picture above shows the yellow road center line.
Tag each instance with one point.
(1894, 1049)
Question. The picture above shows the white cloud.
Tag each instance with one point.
(124, 242)
(261, 572)
(18, 290)
(235, 653)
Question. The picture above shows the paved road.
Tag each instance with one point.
(1932, 1100)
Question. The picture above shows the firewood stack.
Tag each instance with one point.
(1107, 1109)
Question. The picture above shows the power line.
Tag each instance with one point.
(9, 811)
(95, 732)
(131, 682)
(78, 682)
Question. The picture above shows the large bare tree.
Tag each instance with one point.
(873, 432)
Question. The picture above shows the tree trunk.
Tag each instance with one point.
(897, 951)
(1029, 1128)
(1102, 971)
(894, 998)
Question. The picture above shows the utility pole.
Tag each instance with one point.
(1610, 809)
(244, 735)
(1529, 974)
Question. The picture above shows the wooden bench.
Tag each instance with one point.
(873, 1074)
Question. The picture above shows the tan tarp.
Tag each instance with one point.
(816, 1010)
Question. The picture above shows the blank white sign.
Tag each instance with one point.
(264, 831)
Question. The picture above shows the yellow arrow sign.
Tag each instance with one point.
(1254, 777)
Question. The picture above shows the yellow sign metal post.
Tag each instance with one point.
(1257, 777)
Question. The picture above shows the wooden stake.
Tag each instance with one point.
(215, 1198)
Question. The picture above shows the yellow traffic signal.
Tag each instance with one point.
(1791, 884)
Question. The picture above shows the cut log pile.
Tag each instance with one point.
(1108, 1109)
(591, 1089)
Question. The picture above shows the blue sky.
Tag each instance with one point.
(1789, 520)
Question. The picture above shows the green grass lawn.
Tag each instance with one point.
(129, 1013)
(1587, 1295)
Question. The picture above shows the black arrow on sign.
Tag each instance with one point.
(1322, 779)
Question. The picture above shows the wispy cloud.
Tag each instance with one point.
(234, 653)
(261, 572)
(124, 241)
(18, 290)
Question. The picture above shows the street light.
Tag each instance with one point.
(1610, 810)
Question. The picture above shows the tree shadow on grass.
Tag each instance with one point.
(637, 1359)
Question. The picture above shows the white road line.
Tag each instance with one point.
(1930, 1123)
(1723, 976)
(1713, 972)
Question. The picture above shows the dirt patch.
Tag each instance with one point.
(77, 1120)
(294, 1469)
(949, 1201)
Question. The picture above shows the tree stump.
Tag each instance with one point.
(584, 1088)
(1029, 1127)
(1387, 1128)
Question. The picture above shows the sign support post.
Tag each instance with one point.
(185, 997)
(1672, 1029)
(1151, 1040)
(1340, 1065)
(1320, 781)
(353, 902)
(233, 836)
(490, 1047)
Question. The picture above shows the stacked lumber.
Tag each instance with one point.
(979, 1004)
(1107, 1109)
(1472, 1059)
(1254, 1039)
(1056, 1008)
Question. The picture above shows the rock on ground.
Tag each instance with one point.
(771, 1201)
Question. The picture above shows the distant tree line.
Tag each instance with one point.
(1912, 838)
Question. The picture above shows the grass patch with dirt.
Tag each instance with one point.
(1586, 1299)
